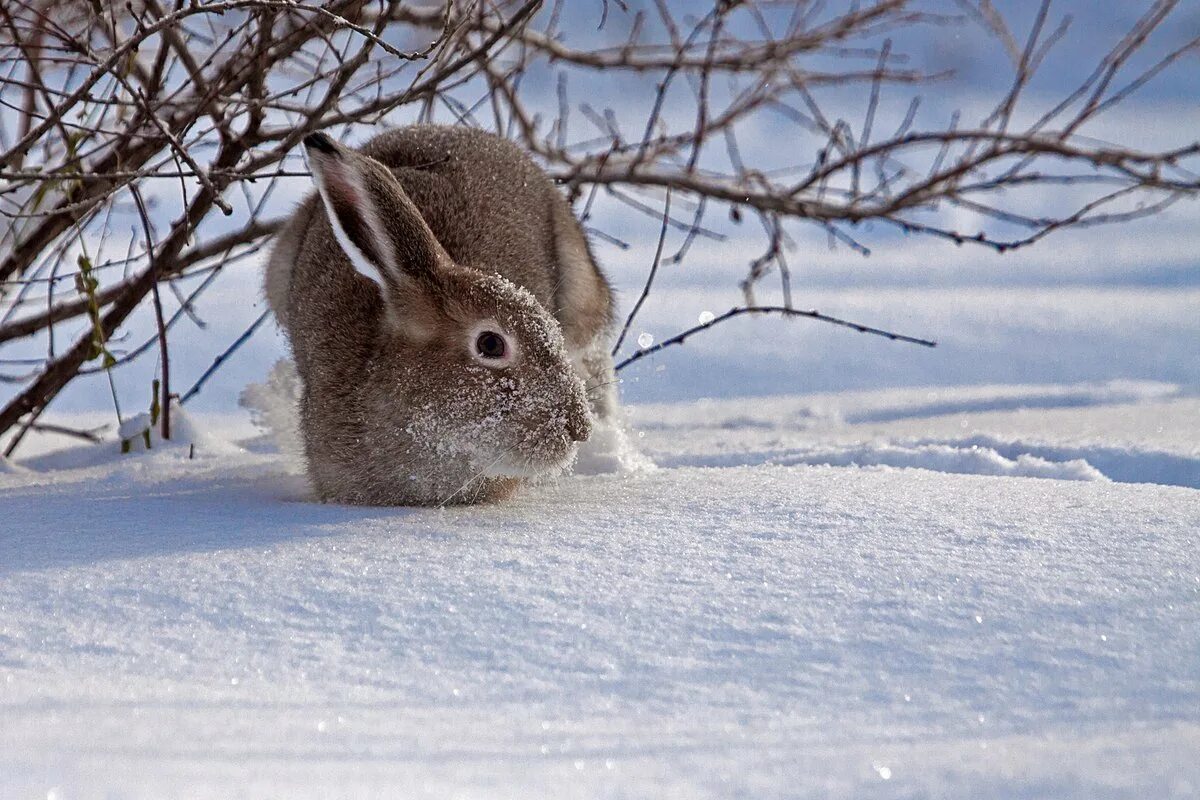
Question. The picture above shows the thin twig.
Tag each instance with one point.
(658, 251)
(738, 311)
(225, 354)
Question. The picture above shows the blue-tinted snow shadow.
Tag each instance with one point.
(972, 455)
(1085, 396)
(82, 523)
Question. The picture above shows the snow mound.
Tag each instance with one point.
(138, 432)
(274, 406)
(1123, 431)
(969, 459)
(610, 450)
(186, 433)
(888, 406)
(1125, 463)
(188, 442)
(832, 410)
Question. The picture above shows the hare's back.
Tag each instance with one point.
(486, 201)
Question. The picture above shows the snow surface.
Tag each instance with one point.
(869, 592)
(744, 621)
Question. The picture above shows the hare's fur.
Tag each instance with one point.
(462, 234)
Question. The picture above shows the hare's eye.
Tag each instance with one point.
(490, 344)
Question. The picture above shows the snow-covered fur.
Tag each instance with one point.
(444, 312)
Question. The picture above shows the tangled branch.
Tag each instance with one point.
(154, 138)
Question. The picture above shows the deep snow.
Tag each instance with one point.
(738, 622)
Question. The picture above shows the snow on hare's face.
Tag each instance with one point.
(489, 379)
(469, 369)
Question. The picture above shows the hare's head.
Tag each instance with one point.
(467, 366)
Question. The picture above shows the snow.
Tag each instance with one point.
(135, 427)
(815, 564)
(756, 617)
(957, 457)
(1128, 431)
(1015, 335)
(610, 450)
(859, 570)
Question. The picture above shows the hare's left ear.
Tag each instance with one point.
(375, 222)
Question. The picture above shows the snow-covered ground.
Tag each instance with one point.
(991, 591)
(860, 569)
(983, 584)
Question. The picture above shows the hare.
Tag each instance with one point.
(445, 314)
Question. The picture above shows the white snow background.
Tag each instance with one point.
(858, 570)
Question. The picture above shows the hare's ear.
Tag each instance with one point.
(375, 222)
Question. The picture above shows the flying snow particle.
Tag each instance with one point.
(645, 340)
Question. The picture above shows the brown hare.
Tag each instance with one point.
(446, 316)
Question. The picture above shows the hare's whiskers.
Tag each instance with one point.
(589, 389)
(474, 477)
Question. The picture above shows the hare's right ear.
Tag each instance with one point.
(375, 222)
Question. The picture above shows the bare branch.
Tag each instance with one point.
(159, 117)
(739, 311)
